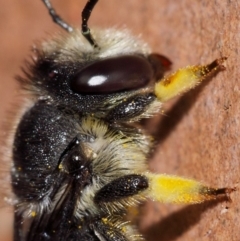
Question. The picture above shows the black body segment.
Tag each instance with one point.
(121, 188)
(40, 139)
(49, 154)
(131, 108)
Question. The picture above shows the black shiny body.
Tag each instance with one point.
(46, 138)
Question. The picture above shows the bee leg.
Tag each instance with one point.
(74, 172)
(105, 231)
(173, 189)
(79, 140)
(18, 225)
(122, 187)
(185, 79)
(76, 141)
(131, 109)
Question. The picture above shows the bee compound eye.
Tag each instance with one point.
(128, 72)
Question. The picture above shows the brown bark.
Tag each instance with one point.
(198, 136)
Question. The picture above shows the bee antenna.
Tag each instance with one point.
(85, 16)
(56, 18)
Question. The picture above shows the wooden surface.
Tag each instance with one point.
(198, 135)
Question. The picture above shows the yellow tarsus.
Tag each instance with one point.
(173, 189)
(185, 79)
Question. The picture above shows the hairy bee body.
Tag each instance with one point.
(79, 161)
(64, 190)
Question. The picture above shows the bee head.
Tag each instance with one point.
(94, 74)
(72, 72)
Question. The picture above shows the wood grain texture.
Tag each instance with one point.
(198, 135)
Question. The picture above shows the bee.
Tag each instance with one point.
(79, 159)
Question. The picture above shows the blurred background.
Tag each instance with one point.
(197, 135)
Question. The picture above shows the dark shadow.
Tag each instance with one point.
(173, 226)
